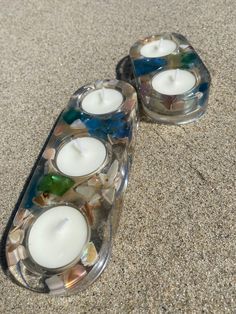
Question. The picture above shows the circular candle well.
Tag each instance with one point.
(81, 156)
(173, 82)
(102, 101)
(58, 236)
(158, 48)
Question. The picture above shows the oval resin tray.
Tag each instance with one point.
(79, 211)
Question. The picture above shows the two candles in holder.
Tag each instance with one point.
(168, 82)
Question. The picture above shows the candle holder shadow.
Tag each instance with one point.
(97, 195)
(182, 108)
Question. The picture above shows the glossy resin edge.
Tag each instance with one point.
(98, 196)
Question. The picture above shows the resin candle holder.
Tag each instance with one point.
(172, 81)
(61, 237)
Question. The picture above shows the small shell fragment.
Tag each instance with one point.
(183, 46)
(49, 153)
(115, 141)
(74, 275)
(23, 218)
(112, 172)
(90, 255)
(86, 192)
(109, 195)
(199, 95)
(129, 104)
(55, 284)
(78, 124)
(95, 200)
(88, 209)
(117, 182)
(94, 181)
(15, 253)
(58, 130)
(20, 216)
(44, 199)
(103, 178)
(16, 236)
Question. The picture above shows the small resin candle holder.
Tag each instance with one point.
(61, 237)
(172, 81)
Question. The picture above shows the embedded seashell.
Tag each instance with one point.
(16, 236)
(109, 195)
(12, 255)
(22, 216)
(199, 95)
(95, 200)
(127, 89)
(129, 104)
(49, 153)
(58, 130)
(111, 82)
(103, 178)
(115, 141)
(27, 221)
(74, 275)
(90, 255)
(112, 172)
(21, 213)
(15, 253)
(49, 166)
(69, 196)
(44, 199)
(78, 124)
(183, 46)
(88, 209)
(177, 105)
(117, 182)
(55, 284)
(94, 181)
(86, 192)
(22, 252)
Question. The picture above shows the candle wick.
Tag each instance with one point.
(77, 146)
(160, 43)
(61, 224)
(174, 76)
(102, 96)
(156, 47)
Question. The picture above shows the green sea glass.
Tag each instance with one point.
(55, 184)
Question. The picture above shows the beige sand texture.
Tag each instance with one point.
(175, 248)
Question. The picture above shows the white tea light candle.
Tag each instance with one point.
(158, 48)
(102, 101)
(173, 82)
(81, 156)
(58, 237)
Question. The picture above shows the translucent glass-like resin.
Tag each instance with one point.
(97, 196)
(163, 108)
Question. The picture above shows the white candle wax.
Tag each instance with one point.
(58, 237)
(173, 82)
(81, 156)
(102, 101)
(158, 48)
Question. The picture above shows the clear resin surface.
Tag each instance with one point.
(97, 196)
